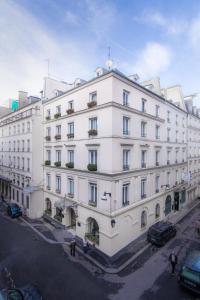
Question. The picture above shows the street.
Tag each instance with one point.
(29, 259)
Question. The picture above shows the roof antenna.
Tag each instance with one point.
(109, 62)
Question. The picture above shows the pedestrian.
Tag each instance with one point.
(173, 260)
(85, 245)
(73, 247)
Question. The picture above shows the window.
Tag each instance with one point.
(48, 114)
(143, 188)
(71, 104)
(27, 202)
(157, 178)
(157, 211)
(48, 129)
(93, 157)
(177, 177)
(168, 134)
(168, 116)
(143, 129)
(28, 145)
(126, 155)
(70, 130)
(143, 159)
(22, 199)
(58, 130)
(168, 179)
(48, 181)
(71, 186)
(176, 119)
(157, 111)
(28, 126)
(18, 162)
(125, 97)
(9, 145)
(93, 193)
(176, 160)
(93, 97)
(71, 156)
(143, 219)
(58, 155)
(168, 157)
(157, 132)
(58, 109)
(18, 128)
(143, 105)
(22, 145)
(125, 194)
(28, 164)
(157, 157)
(22, 163)
(176, 136)
(126, 121)
(13, 194)
(93, 123)
(17, 196)
(58, 184)
(23, 127)
(48, 155)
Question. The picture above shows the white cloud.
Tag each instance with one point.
(154, 59)
(26, 43)
(71, 18)
(171, 25)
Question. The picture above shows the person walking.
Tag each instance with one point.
(73, 248)
(85, 245)
(173, 260)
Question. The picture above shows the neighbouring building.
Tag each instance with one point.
(21, 157)
(116, 157)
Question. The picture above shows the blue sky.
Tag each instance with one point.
(151, 38)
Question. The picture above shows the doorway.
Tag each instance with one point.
(176, 201)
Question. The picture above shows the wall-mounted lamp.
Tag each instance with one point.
(113, 223)
(104, 196)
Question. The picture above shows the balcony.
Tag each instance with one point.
(157, 190)
(70, 135)
(176, 161)
(143, 165)
(157, 163)
(92, 132)
(58, 191)
(125, 132)
(47, 162)
(70, 195)
(57, 164)
(48, 187)
(57, 115)
(168, 120)
(92, 203)
(58, 136)
(125, 203)
(143, 135)
(28, 169)
(125, 167)
(143, 196)
(168, 162)
(70, 165)
(157, 137)
(47, 138)
(28, 149)
(168, 139)
(92, 167)
(92, 104)
(48, 118)
(70, 111)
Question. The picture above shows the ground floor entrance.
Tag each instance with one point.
(176, 201)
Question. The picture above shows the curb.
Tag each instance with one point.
(106, 270)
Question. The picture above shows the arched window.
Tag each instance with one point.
(92, 233)
(48, 209)
(143, 219)
(157, 211)
(168, 205)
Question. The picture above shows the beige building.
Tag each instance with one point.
(116, 157)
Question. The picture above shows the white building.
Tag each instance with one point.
(116, 158)
(21, 158)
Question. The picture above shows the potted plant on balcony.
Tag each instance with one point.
(57, 163)
(70, 165)
(92, 104)
(48, 138)
(57, 115)
(92, 132)
(70, 111)
(47, 162)
(92, 167)
(57, 136)
(48, 118)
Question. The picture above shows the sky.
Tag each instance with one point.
(148, 37)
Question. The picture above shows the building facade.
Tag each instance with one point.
(115, 159)
(21, 158)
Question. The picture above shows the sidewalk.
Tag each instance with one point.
(112, 265)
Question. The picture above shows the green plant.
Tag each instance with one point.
(70, 165)
(57, 115)
(47, 162)
(92, 237)
(70, 111)
(92, 167)
(57, 136)
(48, 212)
(48, 138)
(48, 118)
(57, 163)
(92, 104)
(92, 132)
(58, 218)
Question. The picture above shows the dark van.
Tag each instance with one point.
(160, 233)
(189, 275)
(14, 210)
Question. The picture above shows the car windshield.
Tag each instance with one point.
(15, 295)
(191, 275)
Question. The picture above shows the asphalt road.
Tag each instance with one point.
(29, 259)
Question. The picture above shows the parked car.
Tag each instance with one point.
(14, 210)
(189, 275)
(160, 233)
(28, 292)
